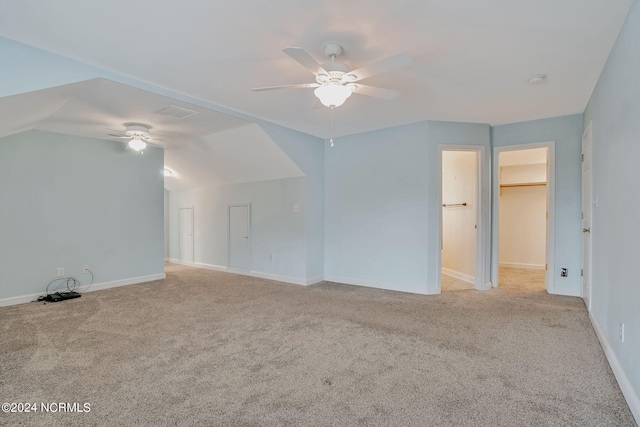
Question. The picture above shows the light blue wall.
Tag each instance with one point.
(308, 154)
(567, 133)
(275, 228)
(381, 201)
(614, 110)
(68, 201)
(24, 68)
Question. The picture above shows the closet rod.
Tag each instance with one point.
(444, 205)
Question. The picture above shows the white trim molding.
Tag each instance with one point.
(262, 275)
(381, 285)
(524, 266)
(458, 275)
(315, 280)
(623, 381)
(567, 292)
(21, 299)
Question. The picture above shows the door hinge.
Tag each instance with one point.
(583, 157)
(582, 272)
(546, 267)
(581, 215)
(547, 215)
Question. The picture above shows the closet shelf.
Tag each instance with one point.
(524, 184)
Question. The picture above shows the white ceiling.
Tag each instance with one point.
(471, 58)
(205, 149)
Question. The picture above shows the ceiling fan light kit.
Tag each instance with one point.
(332, 94)
(335, 80)
(137, 144)
(138, 135)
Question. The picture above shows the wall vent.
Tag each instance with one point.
(176, 112)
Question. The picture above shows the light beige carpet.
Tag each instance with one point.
(212, 348)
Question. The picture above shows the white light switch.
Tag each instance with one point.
(296, 208)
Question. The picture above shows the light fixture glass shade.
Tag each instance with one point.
(332, 94)
(137, 144)
(167, 172)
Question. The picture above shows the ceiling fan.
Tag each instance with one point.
(335, 81)
(138, 135)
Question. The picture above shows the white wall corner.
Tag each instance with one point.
(623, 381)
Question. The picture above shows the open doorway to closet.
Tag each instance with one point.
(523, 213)
(460, 201)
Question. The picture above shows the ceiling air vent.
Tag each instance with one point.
(176, 112)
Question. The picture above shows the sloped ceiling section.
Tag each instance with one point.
(208, 148)
(243, 154)
(471, 59)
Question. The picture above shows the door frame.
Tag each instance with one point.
(588, 204)
(193, 251)
(239, 205)
(551, 210)
(481, 215)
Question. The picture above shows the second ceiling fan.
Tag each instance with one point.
(335, 81)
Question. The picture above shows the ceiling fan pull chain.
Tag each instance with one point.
(331, 140)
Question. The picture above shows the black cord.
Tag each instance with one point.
(70, 282)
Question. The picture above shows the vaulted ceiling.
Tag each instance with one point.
(471, 59)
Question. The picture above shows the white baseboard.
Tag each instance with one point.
(379, 285)
(277, 277)
(259, 274)
(205, 266)
(315, 280)
(84, 288)
(623, 381)
(460, 276)
(519, 265)
(567, 292)
(20, 299)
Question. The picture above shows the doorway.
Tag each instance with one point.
(239, 237)
(523, 217)
(185, 237)
(459, 220)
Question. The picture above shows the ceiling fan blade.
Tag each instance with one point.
(297, 86)
(303, 58)
(382, 66)
(375, 92)
(118, 136)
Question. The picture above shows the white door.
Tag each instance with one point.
(186, 234)
(586, 216)
(239, 236)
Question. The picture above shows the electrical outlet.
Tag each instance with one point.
(621, 331)
(564, 272)
(270, 257)
(296, 208)
(85, 268)
(60, 272)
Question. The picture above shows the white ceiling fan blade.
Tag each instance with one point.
(118, 136)
(303, 58)
(375, 92)
(297, 86)
(382, 66)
